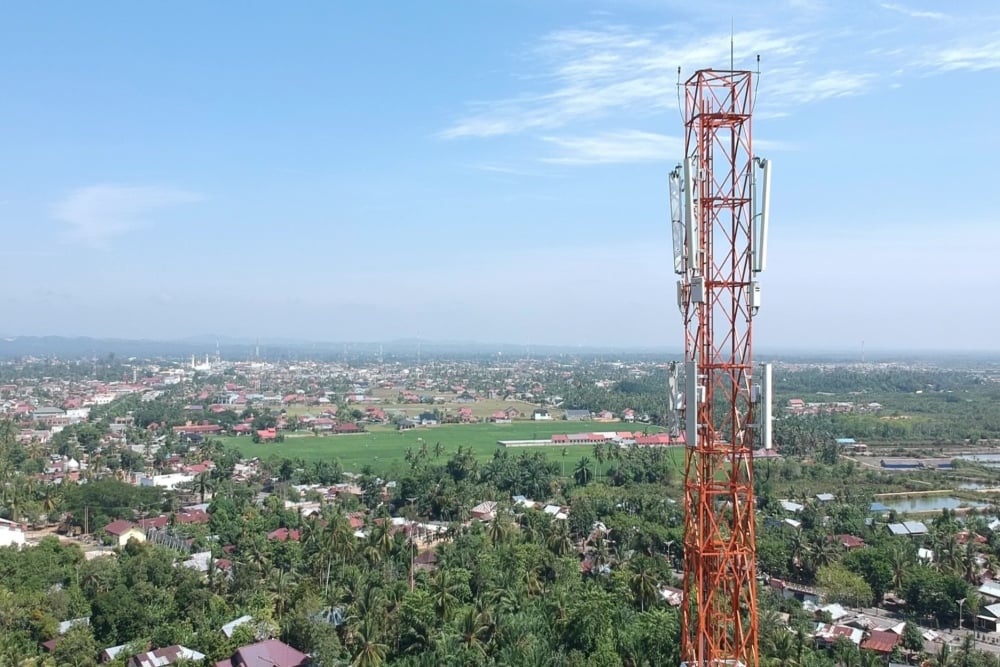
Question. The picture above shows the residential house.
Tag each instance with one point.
(229, 628)
(121, 531)
(798, 592)
(827, 634)
(577, 415)
(500, 417)
(283, 535)
(849, 542)
(272, 652)
(988, 619)
(881, 641)
(11, 534)
(911, 528)
(485, 511)
(162, 657)
(541, 414)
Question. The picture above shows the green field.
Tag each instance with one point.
(384, 448)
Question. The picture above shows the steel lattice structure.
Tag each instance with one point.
(718, 299)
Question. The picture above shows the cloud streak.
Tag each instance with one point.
(96, 214)
(583, 90)
(913, 13)
(589, 75)
(624, 146)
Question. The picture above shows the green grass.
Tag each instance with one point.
(384, 448)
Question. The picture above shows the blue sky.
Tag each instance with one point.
(490, 171)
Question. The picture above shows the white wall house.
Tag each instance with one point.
(11, 534)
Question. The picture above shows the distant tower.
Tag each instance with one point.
(719, 230)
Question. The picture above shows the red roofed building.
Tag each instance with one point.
(272, 653)
(193, 517)
(847, 541)
(157, 522)
(117, 528)
(347, 427)
(881, 641)
(500, 418)
(267, 434)
(659, 440)
(283, 535)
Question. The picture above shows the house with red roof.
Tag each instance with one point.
(659, 440)
(121, 531)
(267, 434)
(881, 641)
(849, 542)
(199, 517)
(500, 417)
(283, 535)
(272, 652)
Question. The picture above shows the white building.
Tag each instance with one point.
(168, 481)
(11, 534)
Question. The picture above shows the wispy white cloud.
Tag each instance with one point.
(582, 89)
(790, 86)
(970, 57)
(615, 147)
(913, 13)
(590, 74)
(95, 214)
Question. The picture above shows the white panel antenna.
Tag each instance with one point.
(764, 409)
(691, 227)
(762, 217)
(677, 219)
(694, 394)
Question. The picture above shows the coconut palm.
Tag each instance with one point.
(559, 540)
(473, 629)
(369, 651)
(643, 585)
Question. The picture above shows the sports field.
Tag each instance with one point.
(384, 448)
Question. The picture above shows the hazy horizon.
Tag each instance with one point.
(488, 171)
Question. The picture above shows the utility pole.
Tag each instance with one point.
(412, 548)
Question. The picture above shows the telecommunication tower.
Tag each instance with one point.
(719, 213)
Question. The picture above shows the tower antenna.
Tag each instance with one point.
(732, 44)
(719, 223)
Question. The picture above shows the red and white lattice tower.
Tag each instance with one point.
(720, 214)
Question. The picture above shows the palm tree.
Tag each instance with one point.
(370, 651)
(203, 483)
(781, 649)
(559, 540)
(825, 552)
(443, 590)
(473, 629)
(279, 585)
(643, 585)
(901, 561)
(582, 472)
(499, 529)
